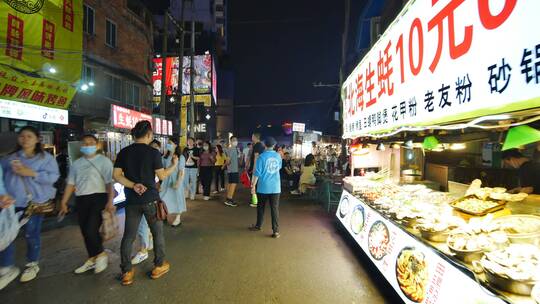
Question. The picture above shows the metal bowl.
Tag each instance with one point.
(522, 238)
(409, 222)
(507, 284)
(434, 236)
(467, 256)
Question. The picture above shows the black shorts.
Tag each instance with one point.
(234, 178)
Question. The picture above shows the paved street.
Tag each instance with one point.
(215, 259)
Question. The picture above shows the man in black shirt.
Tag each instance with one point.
(191, 154)
(136, 168)
(529, 171)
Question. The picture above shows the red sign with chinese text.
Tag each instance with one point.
(123, 118)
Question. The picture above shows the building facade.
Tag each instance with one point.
(117, 61)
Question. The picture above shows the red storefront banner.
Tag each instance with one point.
(125, 118)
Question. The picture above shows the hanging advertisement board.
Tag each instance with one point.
(446, 61)
(203, 75)
(41, 52)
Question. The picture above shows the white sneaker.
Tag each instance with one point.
(30, 272)
(176, 221)
(206, 198)
(139, 257)
(295, 192)
(222, 189)
(102, 261)
(192, 197)
(215, 192)
(7, 275)
(89, 264)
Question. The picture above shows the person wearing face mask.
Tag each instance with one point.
(191, 154)
(233, 177)
(172, 189)
(206, 166)
(90, 178)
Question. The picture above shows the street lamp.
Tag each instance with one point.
(84, 87)
(208, 116)
(52, 70)
(91, 83)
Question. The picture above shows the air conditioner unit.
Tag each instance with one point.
(375, 29)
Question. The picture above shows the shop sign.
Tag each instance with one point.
(37, 38)
(170, 128)
(25, 111)
(127, 119)
(446, 61)
(205, 98)
(414, 270)
(198, 128)
(157, 125)
(298, 127)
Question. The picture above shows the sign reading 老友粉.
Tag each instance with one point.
(445, 61)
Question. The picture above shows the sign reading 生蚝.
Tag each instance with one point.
(443, 61)
(123, 118)
(41, 51)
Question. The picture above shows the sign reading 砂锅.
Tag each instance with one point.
(445, 61)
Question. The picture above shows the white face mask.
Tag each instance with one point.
(206, 148)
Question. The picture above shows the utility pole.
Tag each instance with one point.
(181, 72)
(163, 103)
(192, 78)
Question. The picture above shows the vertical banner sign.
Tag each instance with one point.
(41, 51)
(445, 61)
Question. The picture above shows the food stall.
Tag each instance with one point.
(419, 92)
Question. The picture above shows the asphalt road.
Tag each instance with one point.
(215, 259)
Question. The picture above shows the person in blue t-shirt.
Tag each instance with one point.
(266, 183)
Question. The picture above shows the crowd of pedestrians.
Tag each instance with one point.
(150, 179)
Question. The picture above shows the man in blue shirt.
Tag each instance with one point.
(266, 183)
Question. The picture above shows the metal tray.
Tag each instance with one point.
(500, 206)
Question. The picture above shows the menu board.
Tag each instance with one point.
(415, 271)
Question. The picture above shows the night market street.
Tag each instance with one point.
(216, 259)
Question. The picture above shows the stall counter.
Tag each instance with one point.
(419, 271)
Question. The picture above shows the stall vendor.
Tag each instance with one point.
(529, 171)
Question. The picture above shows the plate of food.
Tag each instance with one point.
(412, 274)
(378, 240)
(357, 219)
(344, 206)
(476, 206)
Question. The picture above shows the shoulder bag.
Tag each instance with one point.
(37, 208)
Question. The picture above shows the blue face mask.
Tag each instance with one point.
(170, 147)
(88, 150)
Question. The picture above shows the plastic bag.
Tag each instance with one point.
(109, 225)
(244, 179)
(9, 226)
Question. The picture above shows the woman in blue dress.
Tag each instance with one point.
(172, 188)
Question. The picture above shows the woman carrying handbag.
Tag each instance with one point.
(90, 178)
(29, 175)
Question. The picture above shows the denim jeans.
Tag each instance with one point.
(190, 180)
(134, 213)
(32, 234)
(144, 233)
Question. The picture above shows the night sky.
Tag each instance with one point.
(278, 50)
